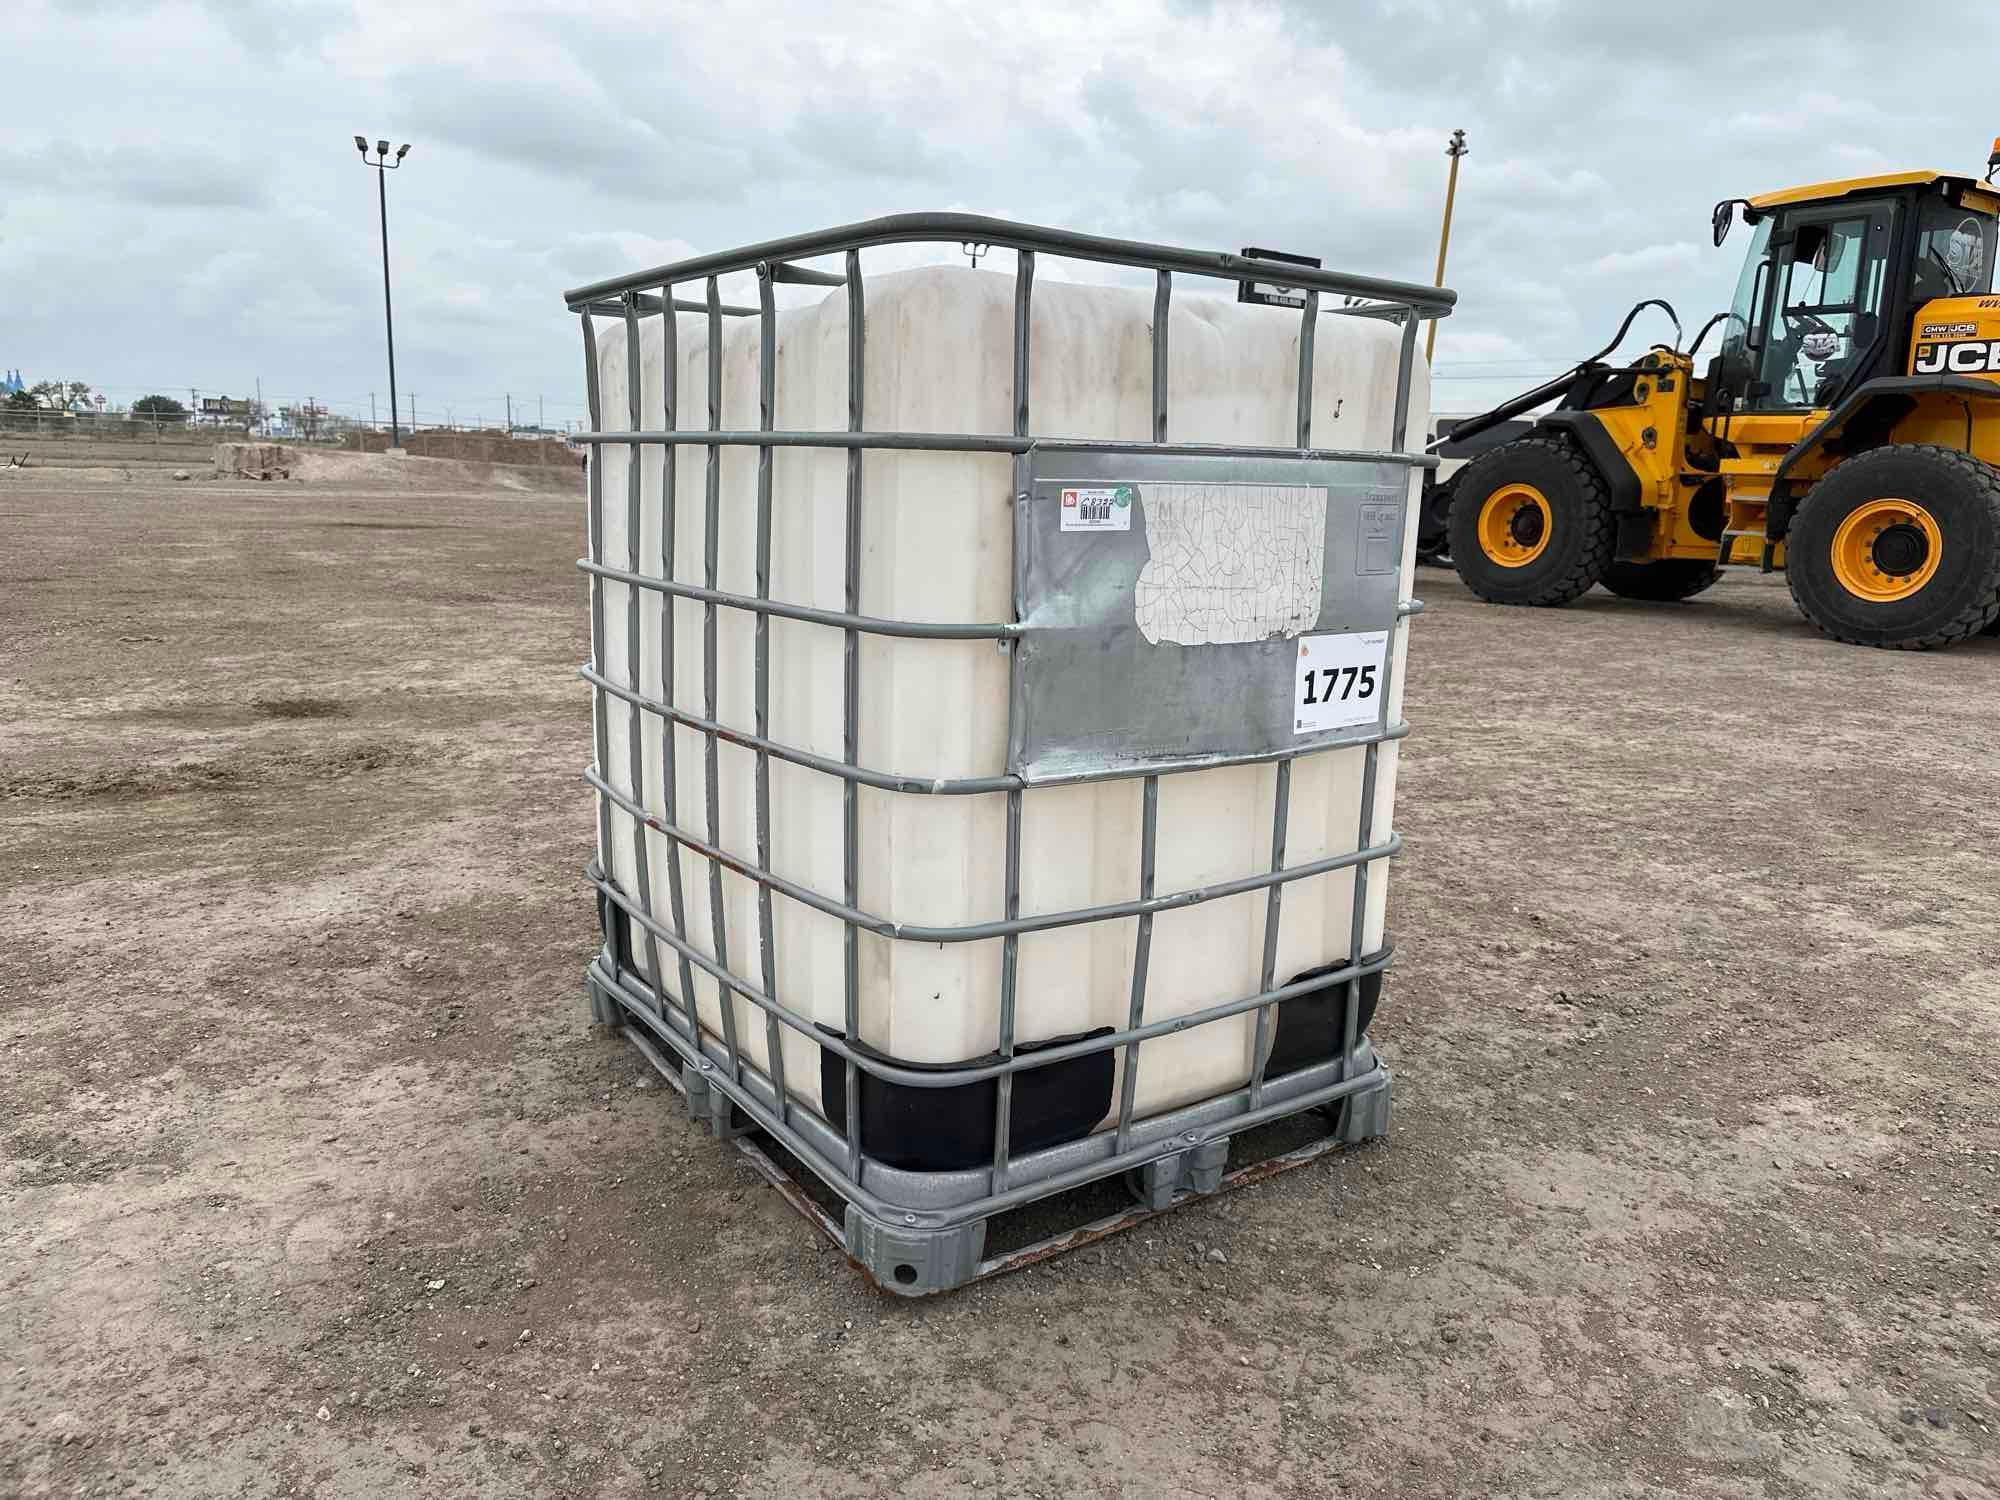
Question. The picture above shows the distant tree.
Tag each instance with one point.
(158, 406)
(49, 395)
(76, 394)
(22, 401)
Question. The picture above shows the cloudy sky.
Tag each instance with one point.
(181, 204)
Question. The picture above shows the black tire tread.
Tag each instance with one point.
(1598, 533)
(1667, 581)
(1980, 613)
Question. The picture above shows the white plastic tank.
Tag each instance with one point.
(937, 545)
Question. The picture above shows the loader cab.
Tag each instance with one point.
(1832, 279)
(1811, 312)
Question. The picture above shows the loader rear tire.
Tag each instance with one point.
(1531, 523)
(1434, 526)
(1668, 580)
(1899, 548)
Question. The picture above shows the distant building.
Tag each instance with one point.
(11, 383)
(304, 419)
(219, 408)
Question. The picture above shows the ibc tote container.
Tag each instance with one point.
(997, 687)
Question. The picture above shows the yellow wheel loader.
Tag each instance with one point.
(1846, 430)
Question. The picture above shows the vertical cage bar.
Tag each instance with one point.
(635, 735)
(1024, 295)
(1142, 952)
(1010, 945)
(1406, 358)
(767, 397)
(1281, 809)
(1163, 294)
(850, 743)
(669, 731)
(600, 701)
(1308, 330)
(1358, 919)
(1003, 1110)
(711, 556)
(1398, 440)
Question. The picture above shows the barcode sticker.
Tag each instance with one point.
(1107, 509)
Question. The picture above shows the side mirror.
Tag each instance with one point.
(1724, 215)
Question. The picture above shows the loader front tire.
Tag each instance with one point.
(1899, 548)
(1531, 523)
(1664, 581)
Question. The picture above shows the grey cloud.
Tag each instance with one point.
(268, 27)
(869, 140)
(573, 133)
(196, 176)
(263, 27)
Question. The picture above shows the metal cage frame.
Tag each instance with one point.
(918, 1232)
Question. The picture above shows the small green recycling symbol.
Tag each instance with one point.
(1124, 496)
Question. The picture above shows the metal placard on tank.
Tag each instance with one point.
(1178, 609)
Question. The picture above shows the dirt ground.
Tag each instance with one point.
(315, 1181)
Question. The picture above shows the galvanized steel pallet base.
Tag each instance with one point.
(911, 1259)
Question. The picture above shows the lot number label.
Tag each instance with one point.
(1339, 681)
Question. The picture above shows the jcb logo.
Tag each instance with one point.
(1968, 357)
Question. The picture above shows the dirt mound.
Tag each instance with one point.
(282, 461)
(254, 460)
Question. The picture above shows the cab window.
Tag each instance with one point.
(1954, 252)
(1823, 313)
(1742, 309)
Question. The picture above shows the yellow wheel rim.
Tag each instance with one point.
(1514, 525)
(1887, 550)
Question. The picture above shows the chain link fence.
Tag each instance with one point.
(43, 426)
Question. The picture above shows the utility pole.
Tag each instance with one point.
(541, 421)
(413, 411)
(371, 409)
(510, 414)
(383, 167)
(1454, 150)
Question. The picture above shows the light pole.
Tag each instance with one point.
(1455, 150)
(383, 164)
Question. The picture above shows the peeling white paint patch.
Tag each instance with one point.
(1230, 563)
